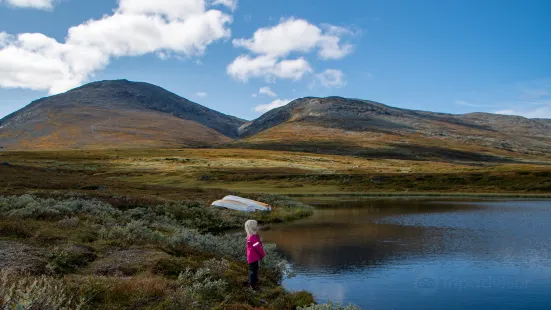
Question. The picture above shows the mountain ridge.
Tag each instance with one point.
(138, 114)
(115, 113)
(304, 122)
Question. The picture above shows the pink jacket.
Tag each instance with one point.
(255, 251)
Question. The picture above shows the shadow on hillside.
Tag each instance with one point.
(395, 151)
(377, 125)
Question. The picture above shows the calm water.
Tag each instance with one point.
(423, 254)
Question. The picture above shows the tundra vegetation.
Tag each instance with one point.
(78, 252)
(182, 174)
(127, 229)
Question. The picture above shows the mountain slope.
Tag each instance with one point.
(113, 114)
(365, 128)
(123, 114)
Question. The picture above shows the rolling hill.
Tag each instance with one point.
(338, 125)
(123, 114)
(115, 114)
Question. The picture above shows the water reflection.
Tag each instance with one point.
(403, 249)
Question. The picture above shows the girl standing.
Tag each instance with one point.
(255, 252)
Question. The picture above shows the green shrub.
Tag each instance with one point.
(65, 260)
(180, 299)
(23, 292)
(217, 267)
(203, 285)
(68, 222)
(15, 229)
(30, 207)
(133, 233)
(232, 246)
(228, 245)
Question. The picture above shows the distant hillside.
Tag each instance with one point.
(115, 114)
(366, 128)
(123, 114)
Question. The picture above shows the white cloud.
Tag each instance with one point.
(4, 37)
(200, 94)
(272, 105)
(35, 4)
(331, 78)
(137, 27)
(266, 91)
(245, 67)
(296, 35)
(171, 9)
(231, 4)
(292, 69)
(543, 112)
(272, 45)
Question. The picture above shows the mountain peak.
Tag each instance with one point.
(112, 110)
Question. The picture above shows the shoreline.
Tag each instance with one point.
(420, 195)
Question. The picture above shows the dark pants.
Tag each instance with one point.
(253, 274)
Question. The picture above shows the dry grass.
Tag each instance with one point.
(177, 174)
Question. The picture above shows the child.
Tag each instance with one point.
(255, 252)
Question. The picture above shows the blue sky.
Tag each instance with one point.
(244, 57)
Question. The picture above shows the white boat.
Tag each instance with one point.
(257, 204)
(241, 204)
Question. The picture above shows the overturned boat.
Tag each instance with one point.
(241, 204)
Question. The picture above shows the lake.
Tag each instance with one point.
(422, 253)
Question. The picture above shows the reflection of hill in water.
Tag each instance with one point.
(349, 237)
(339, 246)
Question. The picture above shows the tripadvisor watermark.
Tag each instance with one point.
(430, 285)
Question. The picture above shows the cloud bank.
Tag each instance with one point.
(271, 47)
(137, 27)
(34, 4)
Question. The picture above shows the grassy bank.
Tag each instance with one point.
(75, 252)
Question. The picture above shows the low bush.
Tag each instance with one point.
(187, 234)
(228, 245)
(30, 207)
(133, 233)
(15, 229)
(203, 285)
(217, 267)
(67, 259)
(231, 246)
(24, 292)
(122, 293)
(68, 222)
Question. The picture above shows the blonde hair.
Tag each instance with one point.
(251, 227)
